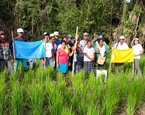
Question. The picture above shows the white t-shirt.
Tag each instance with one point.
(121, 47)
(83, 44)
(137, 49)
(59, 46)
(102, 50)
(90, 52)
(48, 48)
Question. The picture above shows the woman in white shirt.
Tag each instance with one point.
(138, 50)
(89, 56)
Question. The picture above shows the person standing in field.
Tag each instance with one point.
(48, 59)
(6, 53)
(101, 50)
(84, 41)
(20, 37)
(121, 45)
(56, 35)
(89, 57)
(78, 58)
(70, 45)
(138, 50)
(62, 57)
(54, 49)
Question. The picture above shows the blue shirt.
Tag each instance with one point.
(57, 42)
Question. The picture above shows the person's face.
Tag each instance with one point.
(68, 39)
(46, 38)
(135, 42)
(89, 44)
(20, 34)
(56, 37)
(63, 45)
(122, 41)
(101, 42)
(53, 39)
(86, 37)
(2, 37)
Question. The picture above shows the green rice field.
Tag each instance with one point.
(44, 92)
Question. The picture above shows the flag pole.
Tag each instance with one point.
(133, 68)
(45, 54)
(12, 33)
(110, 65)
(75, 45)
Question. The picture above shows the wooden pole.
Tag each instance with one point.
(12, 33)
(13, 44)
(110, 65)
(76, 40)
(45, 53)
(133, 68)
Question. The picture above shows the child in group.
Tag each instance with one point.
(89, 56)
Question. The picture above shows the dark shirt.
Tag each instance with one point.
(80, 54)
(6, 49)
(57, 42)
(22, 39)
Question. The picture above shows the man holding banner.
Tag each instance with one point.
(20, 37)
(120, 53)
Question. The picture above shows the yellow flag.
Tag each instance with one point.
(121, 56)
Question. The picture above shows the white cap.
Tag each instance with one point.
(121, 37)
(20, 30)
(56, 33)
(85, 34)
(45, 33)
(135, 39)
(51, 35)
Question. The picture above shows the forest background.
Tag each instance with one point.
(111, 18)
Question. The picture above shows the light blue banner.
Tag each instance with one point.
(27, 50)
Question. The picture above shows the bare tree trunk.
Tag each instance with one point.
(132, 30)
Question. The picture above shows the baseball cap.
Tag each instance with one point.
(56, 33)
(85, 34)
(2, 32)
(20, 30)
(52, 35)
(68, 36)
(45, 34)
(121, 37)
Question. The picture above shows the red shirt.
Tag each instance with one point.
(62, 55)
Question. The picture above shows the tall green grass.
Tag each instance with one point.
(45, 92)
(17, 103)
(3, 91)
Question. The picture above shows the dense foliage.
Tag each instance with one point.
(37, 16)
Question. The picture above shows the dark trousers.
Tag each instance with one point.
(3, 64)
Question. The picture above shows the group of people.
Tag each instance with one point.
(66, 53)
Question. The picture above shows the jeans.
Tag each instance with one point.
(137, 70)
(49, 61)
(24, 63)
